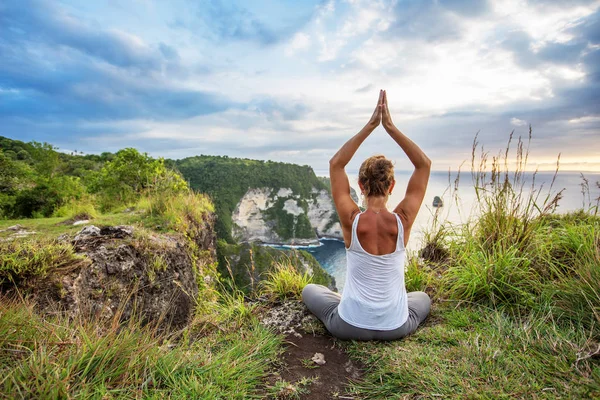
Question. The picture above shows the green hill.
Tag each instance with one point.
(227, 179)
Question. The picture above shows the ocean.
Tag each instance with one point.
(332, 255)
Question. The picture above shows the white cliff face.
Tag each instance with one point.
(321, 213)
(250, 223)
(285, 192)
(292, 207)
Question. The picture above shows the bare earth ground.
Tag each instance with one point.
(298, 375)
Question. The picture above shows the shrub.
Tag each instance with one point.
(495, 276)
(82, 208)
(130, 174)
(285, 282)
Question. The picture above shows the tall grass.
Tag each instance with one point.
(58, 358)
(489, 258)
(83, 208)
(508, 202)
(285, 282)
(515, 252)
(176, 208)
(417, 277)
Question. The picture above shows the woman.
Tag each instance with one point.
(374, 305)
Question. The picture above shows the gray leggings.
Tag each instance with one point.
(324, 304)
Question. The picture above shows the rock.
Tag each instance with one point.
(83, 221)
(291, 207)
(286, 318)
(319, 358)
(322, 215)
(14, 228)
(117, 232)
(352, 370)
(65, 237)
(152, 277)
(87, 232)
(248, 220)
(120, 231)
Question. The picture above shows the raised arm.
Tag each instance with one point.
(340, 187)
(408, 208)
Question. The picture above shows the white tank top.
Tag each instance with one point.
(374, 295)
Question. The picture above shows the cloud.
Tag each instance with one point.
(432, 21)
(227, 21)
(230, 22)
(294, 80)
(366, 88)
(41, 21)
(300, 41)
(169, 52)
(469, 8)
(78, 89)
(56, 66)
(517, 122)
(275, 110)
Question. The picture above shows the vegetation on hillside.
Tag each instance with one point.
(227, 179)
(38, 181)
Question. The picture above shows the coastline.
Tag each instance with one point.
(309, 245)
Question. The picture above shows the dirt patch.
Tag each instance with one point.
(305, 378)
(303, 374)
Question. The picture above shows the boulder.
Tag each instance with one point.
(148, 275)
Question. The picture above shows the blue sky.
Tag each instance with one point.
(292, 80)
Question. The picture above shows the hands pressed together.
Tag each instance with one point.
(381, 115)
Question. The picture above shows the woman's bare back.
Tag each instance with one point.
(377, 232)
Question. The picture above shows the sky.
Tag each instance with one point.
(293, 80)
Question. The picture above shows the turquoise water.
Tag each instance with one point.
(332, 257)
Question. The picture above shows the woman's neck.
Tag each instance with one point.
(376, 203)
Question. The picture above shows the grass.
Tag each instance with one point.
(417, 277)
(515, 252)
(55, 226)
(175, 213)
(78, 209)
(285, 282)
(473, 351)
(22, 259)
(283, 389)
(55, 358)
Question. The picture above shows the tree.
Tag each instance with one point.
(131, 173)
